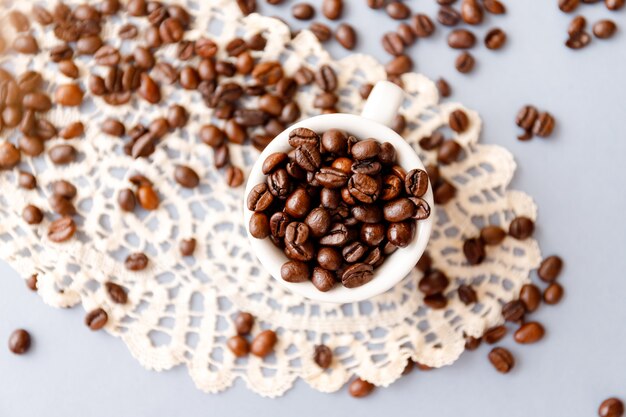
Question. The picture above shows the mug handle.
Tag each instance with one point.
(383, 103)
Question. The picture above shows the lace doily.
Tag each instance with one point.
(181, 310)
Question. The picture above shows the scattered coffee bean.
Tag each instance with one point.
(61, 230)
(461, 39)
(147, 197)
(332, 9)
(422, 26)
(186, 176)
(568, 6)
(474, 251)
(501, 359)
(465, 62)
(116, 292)
(323, 356)
(187, 246)
(467, 294)
(513, 311)
(495, 38)
(614, 4)
(321, 31)
(360, 388)
(544, 125)
(19, 342)
(550, 268)
(238, 345)
(31, 282)
(492, 235)
(443, 87)
(553, 294)
(69, 95)
(398, 10)
(611, 407)
(26, 180)
(136, 262)
(448, 16)
(604, 29)
(263, 344)
(494, 334)
(494, 7)
(471, 12)
(32, 214)
(244, 323)
(458, 121)
(521, 228)
(303, 11)
(346, 36)
(399, 65)
(530, 295)
(529, 332)
(96, 319)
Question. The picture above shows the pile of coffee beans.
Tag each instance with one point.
(336, 206)
(261, 346)
(577, 35)
(534, 122)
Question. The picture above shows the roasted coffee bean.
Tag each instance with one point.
(444, 192)
(64, 189)
(398, 10)
(12, 116)
(467, 294)
(422, 25)
(436, 301)
(577, 26)
(116, 292)
(69, 95)
(513, 311)
(611, 407)
(364, 188)
(273, 162)
(372, 234)
(37, 101)
(19, 342)
(494, 7)
(376, 4)
(278, 224)
(186, 176)
(604, 29)
(471, 12)
(244, 323)
(495, 38)
(263, 344)
(401, 234)
(177, 116)
(148, 197)
(391, 187)
(337, 236)
(472, 343)
(343, 164)
(295, 271)
(318, 221)
(308, 157)
(474, 251)
(97, 85)
(171, 30)
(187, 246)
(88, 45)
(329, 259)
(443, 87)
(41, 15)
(346, 36)
(494, 334)
(238, 345)
(61, 230)
(360, 388)
(568, 6)
(530, 332)
(32, 214)
(399, 210)
(149, 89)
(399, 65)
(26, 180)
(61, 205)
(434, 282)
(68, 68)
(128, 31)
(137, 8)
(26, 44)
(553, 294)
(234, 176)
(530, 296)
(325, 101)
(260, 198)
(354, 251)
(461, 39)
(221, 156)
(458, 121)
(550, 268)
(365, 149)
(465, 62)
(126, 200)
(449, 151)
(326, 79)
(521, 228)
(29, 81)
(31, 146)
(113, 127)
(544, 125)
(367, 167)
(96, 319)
(526, 117)
(492, 235)
(501, 359)
(303, 11)
(279, 184)
(73, 130)
(323, 356)
(268, 72)
(614, 4)
(578, 41)
(62, 154)
(298, 203)
(416, 182)
(259, 226)
(406, 34)
(357, 275)
(136, 262)
(431, 142)
(425, 263)
(321, 31)
(448, 16)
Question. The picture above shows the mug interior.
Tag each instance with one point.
(397, 265)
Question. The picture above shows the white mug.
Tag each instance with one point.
(378, 114)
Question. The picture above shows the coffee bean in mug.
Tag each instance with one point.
(366, 203)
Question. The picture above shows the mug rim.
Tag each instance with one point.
(397, 265)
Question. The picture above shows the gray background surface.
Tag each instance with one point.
(577, 178)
